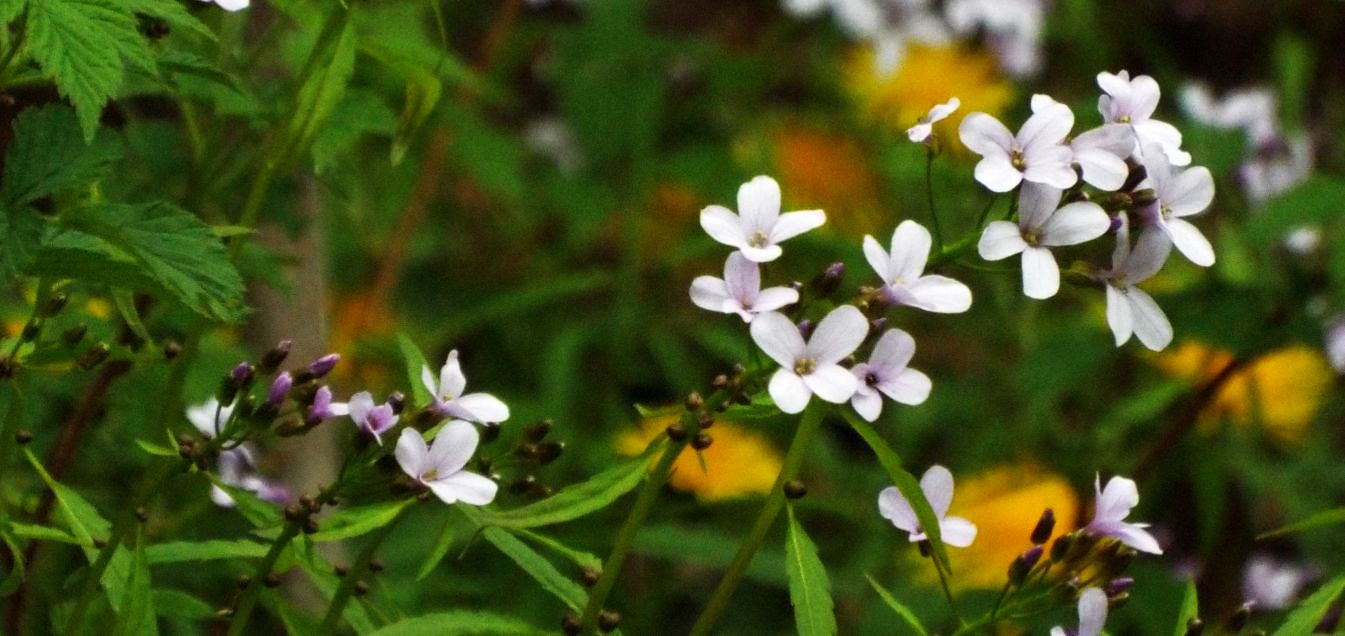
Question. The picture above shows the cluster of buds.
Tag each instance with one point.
(530, 454)
(1086, 560)
(301, 513)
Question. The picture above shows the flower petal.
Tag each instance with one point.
(711, 293)
(451, 379)
(412, 453)
(1166, 137)
(360, 405)
(985, 135)
(1137, 538)
(1036, 202)
(957, 532)
(937, 484)
(788, 390)
(908, 387)
(723, 226)
(773, 298)
(1190, 242)
(892, 353)
(1046, 127)
(832, 383)
(919, 132)
(1102, 169)
(1144, 95)
(1093, 604)
(878, 258)
(1075, 223)
(431, 384)
(1151, 251)
(1189, 192)
(910, 250)
(867, 403)
(779, 338)
(761, 254)
(998, 174)
(1041, 275)
(894, 507)
(742, 278)
(1116, 500)
(759, 205)
(1118, 315)
(938, 294)
(1051, 166)
(483, 408)
(792, 224)
(469, 488)
(1150, 324)
(453, 446)
(1000, 240)
(838, 335)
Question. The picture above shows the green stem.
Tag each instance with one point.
(809, 425)
(625, 538)
(947, 592)
(361, 565)
(248, 600)
(253, 206)
(929, 193)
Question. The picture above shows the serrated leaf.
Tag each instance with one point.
(172, 12)
(414, 363)
(21, 232)
(214, 550)
(578, 557)
(1309, 613)
(183, 63)
(809, 589)
(903, 612)
(49, 155)
(575, 501)
(80, 45)
(461, 623)
(1190, 608)
(166, 244)
(1318, 520)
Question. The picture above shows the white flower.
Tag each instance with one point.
(1100, 153)
(1272, 584)
(758, 228)
(440, 467)
(811, 367)
(371, 419)
(1132, 102)
(1092, 614)
(1037, 153)
(209, 417)
(1012, 28)
(740, 292)
(1129, 308)
(1251, 109)
(230, 5)
(1335, 343)
(1113, 506)
(1180, 194)
(925, 127)
(886, 373)
(1042, 225)
(937, 484)
(902, 271)
(1275, 166)
(449, 401)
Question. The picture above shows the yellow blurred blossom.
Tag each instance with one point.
(98, 308)
(928, 75)
(737, 464)
(1005, 503)
(1281, 390)
(829, 172)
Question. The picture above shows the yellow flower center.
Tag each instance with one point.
(758, 240)
(1016, 158)
(1123, 119)
(430, 475)
(804, 366)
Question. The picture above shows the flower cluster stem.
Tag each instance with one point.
(361, 565)
(248, 601)
(809, 425)
(929, 193)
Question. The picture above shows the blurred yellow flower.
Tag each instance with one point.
(829, 172)
(1005, 503)
(1281, 390)
(927, 76)
(737, 464)
(98, 308)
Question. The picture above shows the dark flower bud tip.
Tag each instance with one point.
(1045, 526)
(324, 365)
(1195, 627)
(795, 489)
(676, 432)
(537, 432)
(271, 360)
(694, 401)
(608, 620)
(702, 441)
(54, 304)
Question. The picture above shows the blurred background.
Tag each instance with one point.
(543, 221)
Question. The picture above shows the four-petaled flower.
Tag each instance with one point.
(439, 467)
(1092, 614)
(886, 373)
(902, 271)
(323, 408)
(1129, 308)
(937, 484)
(374, 420)
(812, 366)
(1113, 506)
(758, 228)
(236, 466)
(449, 401)
(1037, 153)
(922, 129)
(1099, 153)
(1179, 194)
(1042, 225)
(1132, 102)
(740, 292)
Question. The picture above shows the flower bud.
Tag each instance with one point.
(1119, 585)
(547, 452)
(694, 401)
(1045, 526)
(7, 367)
(73, 335)
(23, 437)
(94, 356)
(361, 588)
(537, 432)
(701, 441)
(271, 360)
(1022, 566)
(806, 328)
(829, 280)
(676, 432)
(608, 620)
(280, 389)
(705, 419)
(590, 576)
(1116, 223)
(322, 366)
(523, 484)
(795, 489)
(1195, 627)
(1118, 600)
(32, 329)
(1239, 618)
(720, 381)
(171, 350)
(54, 304)
(1061, 548)
(397, 400)
(570, 625)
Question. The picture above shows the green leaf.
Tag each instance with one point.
(214, 550)
(461, 623)
(48, 155)
(21, 234)
(1318, 520)
(155, 449)
(415, 363)
(579, 557)
(440, 549)
(1190, 609)
(713, 551)
(360, 113)
(137, 603)
(177, 62)
(906, 483)
(41, 533)
(902, 611)
(167, 245)
(15, 577)
(1310, 611)
(809, 589)
(353, 522)
(540, 569)
(170, 11)
(575, 501)
(259, 513)
(10, 9)
(179, 604)
(322, 91)
(80, 45)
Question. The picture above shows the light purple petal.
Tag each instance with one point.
(1150, 324)
(1092, 609)
(1036, 202)
(867, 402)
(998, 174)
(1041, 275)
(1116, 500)
(838, 335)
(1189, 192)
(1102, 169)
(878, 258)
(483, 408)
(759, 205)
(1137, 538)
(957, 532)
(451, 379)
(939, 294)
(1051, 166)
(711, 293)
(412, 453)
(761, 254)
(910, 250)
(360, 405)
(773, 298)
(723, 226)
(792, 224)
(469, 488)
(742, 278)
(779, 338)
(985, 135)
(894, 507)
(937, 484)
(832, 383)
(1046, 127)
(1190, 242)
(892, 353)
(1000, 240)
(1144, 95)
(788, 391)
(1165, 136)
(1118, 315)
(908, 387)
(1075, 223)
(453, 446)
(1151, 251)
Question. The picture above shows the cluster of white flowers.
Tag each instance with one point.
(811, 364)
(1012, 28)
(440, 467)
(1045, 164)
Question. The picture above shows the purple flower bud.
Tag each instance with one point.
(1119, 585)
(1045, 526)
(241, 375)
(1032, 556)
(1116, 222)
(321, 409)
(280, 389)
(829, 280)
(273, 358)
(878, 325)
(806, 328)
(322, 366)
